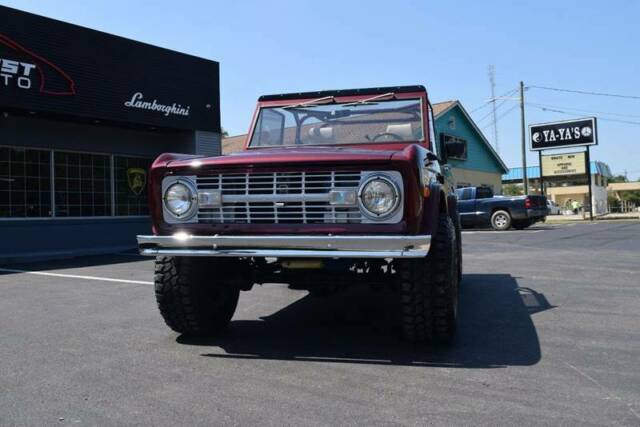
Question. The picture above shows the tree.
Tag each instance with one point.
(627, 196)
(632, 196)
(224, 133)
(618, 178)
(512, 190)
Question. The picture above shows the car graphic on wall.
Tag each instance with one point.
(20, 65)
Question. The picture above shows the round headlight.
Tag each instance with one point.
(178, 199)
(379, 197)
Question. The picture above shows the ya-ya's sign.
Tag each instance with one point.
(564, 164)
(569, 133)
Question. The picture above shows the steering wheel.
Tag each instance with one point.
(393, 135)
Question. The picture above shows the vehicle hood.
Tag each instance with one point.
(297, 155)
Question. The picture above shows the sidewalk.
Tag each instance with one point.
(610, 216)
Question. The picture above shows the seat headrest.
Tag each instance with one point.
(321, 133)
(403, 130)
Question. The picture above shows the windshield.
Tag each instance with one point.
(347, 123)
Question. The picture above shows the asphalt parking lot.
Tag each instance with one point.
(549, 334)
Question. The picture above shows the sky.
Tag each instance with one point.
(279, 46)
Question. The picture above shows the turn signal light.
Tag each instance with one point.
(426, 192)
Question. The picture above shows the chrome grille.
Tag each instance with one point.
(279, 197)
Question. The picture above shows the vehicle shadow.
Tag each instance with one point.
(495, 330)
(73, 262)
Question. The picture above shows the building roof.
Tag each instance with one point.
(441, 108)
(533, 172)
(233, 144)
(623, 186)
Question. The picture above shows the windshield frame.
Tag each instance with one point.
(424, 110)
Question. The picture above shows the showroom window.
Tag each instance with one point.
(25, 183)
(130, 174)
(82, 184)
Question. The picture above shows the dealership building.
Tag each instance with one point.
(82, 116)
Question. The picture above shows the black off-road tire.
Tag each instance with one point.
(458, 227)
(192, 296)
(429, 289)
(501, 220)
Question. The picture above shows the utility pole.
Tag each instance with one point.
(524, 142)
(492, 80)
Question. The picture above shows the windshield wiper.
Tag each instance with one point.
(323, 100)
(368, 100)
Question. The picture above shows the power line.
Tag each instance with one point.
(500, 104)
(503, 100)
(488, 102)
(501, 116)
(585, 92)
(585, 111)
(491, 111)
(553, 110)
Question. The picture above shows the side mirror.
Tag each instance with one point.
(455, 149)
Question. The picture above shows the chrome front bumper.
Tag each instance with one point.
(287, 246)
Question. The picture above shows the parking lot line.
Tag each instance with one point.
(501, 232)
(75, 276)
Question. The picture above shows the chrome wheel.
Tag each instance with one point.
(501, 220)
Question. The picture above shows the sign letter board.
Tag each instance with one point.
(569, 133)
(564, 164)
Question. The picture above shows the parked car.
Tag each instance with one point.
(479, 207)
(553, 207)
(334, 188)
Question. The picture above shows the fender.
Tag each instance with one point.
(432, 207)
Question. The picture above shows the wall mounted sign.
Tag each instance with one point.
(138, 101)
(569, 133)
(137, 179)
(564, 164)
(49, 66)
(20, 74)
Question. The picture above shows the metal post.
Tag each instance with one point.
(52, 179)
(588, 160)
(112, 185)
(492, 80)
(523, 141)
(542, 192)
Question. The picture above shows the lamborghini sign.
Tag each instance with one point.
(137, 179)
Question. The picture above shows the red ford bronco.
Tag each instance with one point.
(333, 188)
